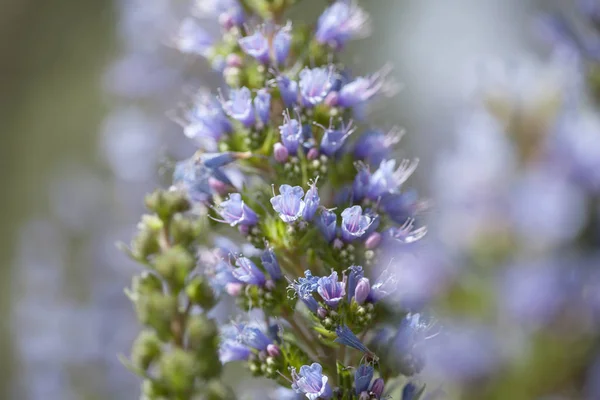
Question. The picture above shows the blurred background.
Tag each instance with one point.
(85, 86)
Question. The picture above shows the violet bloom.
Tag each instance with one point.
(256, 46)
(229, 13)
(341, 22)
(346, 337)
(311, 200)
(402, 206)
(383, 286)
(234, 211)
(247, 272)
(359, 90)
(406, 233)
(362, 291)
(289, 204)
(334, 139)
(356, 273)
(327, 222)
(304, 289)
(232, 350)
(269, 261)
(288, 89)
(387, 179)
(195, 174)
(206, 122)
(376, 146)
(315, 84)
(362, 378)
(239, 106)
(360, 186)
(191, 38)
(311, 382)
(282, 42)
(354, 223)
(262, 105)
(331, 290)
(255, 338)
(291, 133)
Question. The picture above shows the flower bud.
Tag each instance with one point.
(321, 312)
(234, 60)
(145, 244)
(146, 349)
(153, 390)
(313, 154)
(178, 370)
(157, 311)
(200, 292)
(174, 265)
(331, 99)
(373, 240)
(145, 284)
(234, 289)
(217, 186)
(273, 350)
(363, 288)
(166, 203)
(185, 230)
(280, 153)
(232, 76)
(378, 387)
(202, 333)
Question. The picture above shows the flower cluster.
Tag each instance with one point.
(281, 158)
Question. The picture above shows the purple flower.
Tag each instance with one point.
(362, 291)
(282, 42)
(206, 122)
(360, 186)
(192, 39)
(232, 350)
(346, 337)
(387, 179)
(360, 90)
(239, 106)
(289, 204)
(356, 273)
(248, 272)
(341, 22)
(291, 133)
(262, 105)
(406, 233)
(327, 224)
(269, 261)
(230, 13)
(280, 153)
(354, 223)
(288, 89)
(315, 84)
(255, 338)
(311, 382)
(334, 139)
(402, 206)
(377, 388)
(362, 378)
(256, 46)
(234, 211)
(196, 173)
(376, 146)
(383, 286)
(311, 200)
(331, 290)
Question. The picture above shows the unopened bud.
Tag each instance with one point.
(363, 288)
(234, 60)
(157, 311)
(332, 99)
(270, 285)
(178, 370)
(232, 76)
(373, 240)
(217, 186)
(378, 387)
(273, 350)
(200, 292)
(234, 289)
(313, 154)
(321, 312)
(280, 153)
(244, 229)
(202, 333)
(174, 265)
(146, 349)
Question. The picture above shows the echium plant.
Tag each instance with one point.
(283, 163)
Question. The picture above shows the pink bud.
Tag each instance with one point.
(270, 285)
(373, 240)
(273, 350)
(321, 312)
(234, 289)
(363, 288)
(226, 21)
(332, 99)
(313, 154)
(280, 153)
(244, 229)
(217, 185)
(338, 244)
(377, 388)
(234, 60)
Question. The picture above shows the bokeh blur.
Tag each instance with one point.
(85, 91)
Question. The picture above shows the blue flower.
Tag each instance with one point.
(311, 382)
(256, 46)
(291, 133)
(402, 206)
(311, 200)
(269, 261)
(248, 272)
(362, 378)
(375, 146)
(289, 204)
(362, 291)
(356, 273)
(360, 186)
(255, 338)
(387, 179)
(359, 90)
(354, 223)
(383, 286)
(406, 233)
(341, 22)
(413, 330)
(327, 224)
(220, 274)
(288, 89)
(346, 337)
(206, 122)
(282, 42)
(315, 84)
(195, 174)
(331, 290)
(229, 13)
(410, 391)
(334, 139)
(304, 289)
(192, 39)
(234, 211)
(239, 106)
(262, 105)
(232, 350)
